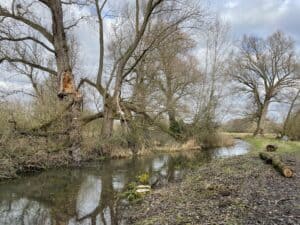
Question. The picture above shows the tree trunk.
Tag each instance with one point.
(260, 125)
(107, 122)
(284, 129)
(107, 129)
(172, 119)
(66, 84)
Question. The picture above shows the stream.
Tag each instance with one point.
(87, 195)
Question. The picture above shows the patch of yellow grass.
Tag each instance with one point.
(224, 140)
(190, 145)
(118, 153)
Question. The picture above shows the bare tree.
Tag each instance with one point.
(177, 73)
(22, 25)
(264, 68)
(213, 83)
(130, 47)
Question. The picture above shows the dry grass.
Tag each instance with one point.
(219, 140)
(118, 153)
(190, 145)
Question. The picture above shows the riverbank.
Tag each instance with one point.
(24, 155)
(238, 190)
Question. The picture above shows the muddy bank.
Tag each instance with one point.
(239, 190)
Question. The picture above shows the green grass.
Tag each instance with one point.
(259, 144)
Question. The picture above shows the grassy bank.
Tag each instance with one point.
(259, 144)
(238, 190)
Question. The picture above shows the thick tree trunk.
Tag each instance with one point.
(285, 124)
(107, 128)
(75, 132)
(107, 122)
(174, 126)
(172, 118)
(260, 125)
(66, 84)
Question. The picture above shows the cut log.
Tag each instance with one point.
(277, 163)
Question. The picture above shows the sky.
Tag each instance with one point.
(252, 17)
(260, 17)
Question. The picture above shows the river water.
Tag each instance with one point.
(88, 195)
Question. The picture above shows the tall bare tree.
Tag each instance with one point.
(213, 83)
(21, 26)
(264, 67)
(177, 73)
(129, 47)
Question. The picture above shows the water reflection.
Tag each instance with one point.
(87, 196)
(240, 148)
(159, 162)
(74, 221)
(24, 211)
(178, 174)
(118, 182)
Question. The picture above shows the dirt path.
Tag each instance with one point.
(239, 190)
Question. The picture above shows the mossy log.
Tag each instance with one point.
(277, 163)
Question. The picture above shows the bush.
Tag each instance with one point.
(143, 178)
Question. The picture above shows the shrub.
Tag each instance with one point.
(143, 178)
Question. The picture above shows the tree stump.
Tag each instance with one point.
(271, 148)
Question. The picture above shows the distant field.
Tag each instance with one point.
(243, 135)
(259, 143)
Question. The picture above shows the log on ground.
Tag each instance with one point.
(277, 163)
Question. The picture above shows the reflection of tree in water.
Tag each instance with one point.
(93, 202)
(24, 211)
(85, 196)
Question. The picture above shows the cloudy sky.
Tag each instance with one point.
(260, 17)
(255, 17)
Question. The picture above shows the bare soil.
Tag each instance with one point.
(239, 190)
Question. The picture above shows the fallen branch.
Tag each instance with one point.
(86, 119)
(277, 163)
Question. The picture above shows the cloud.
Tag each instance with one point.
(261, 17)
